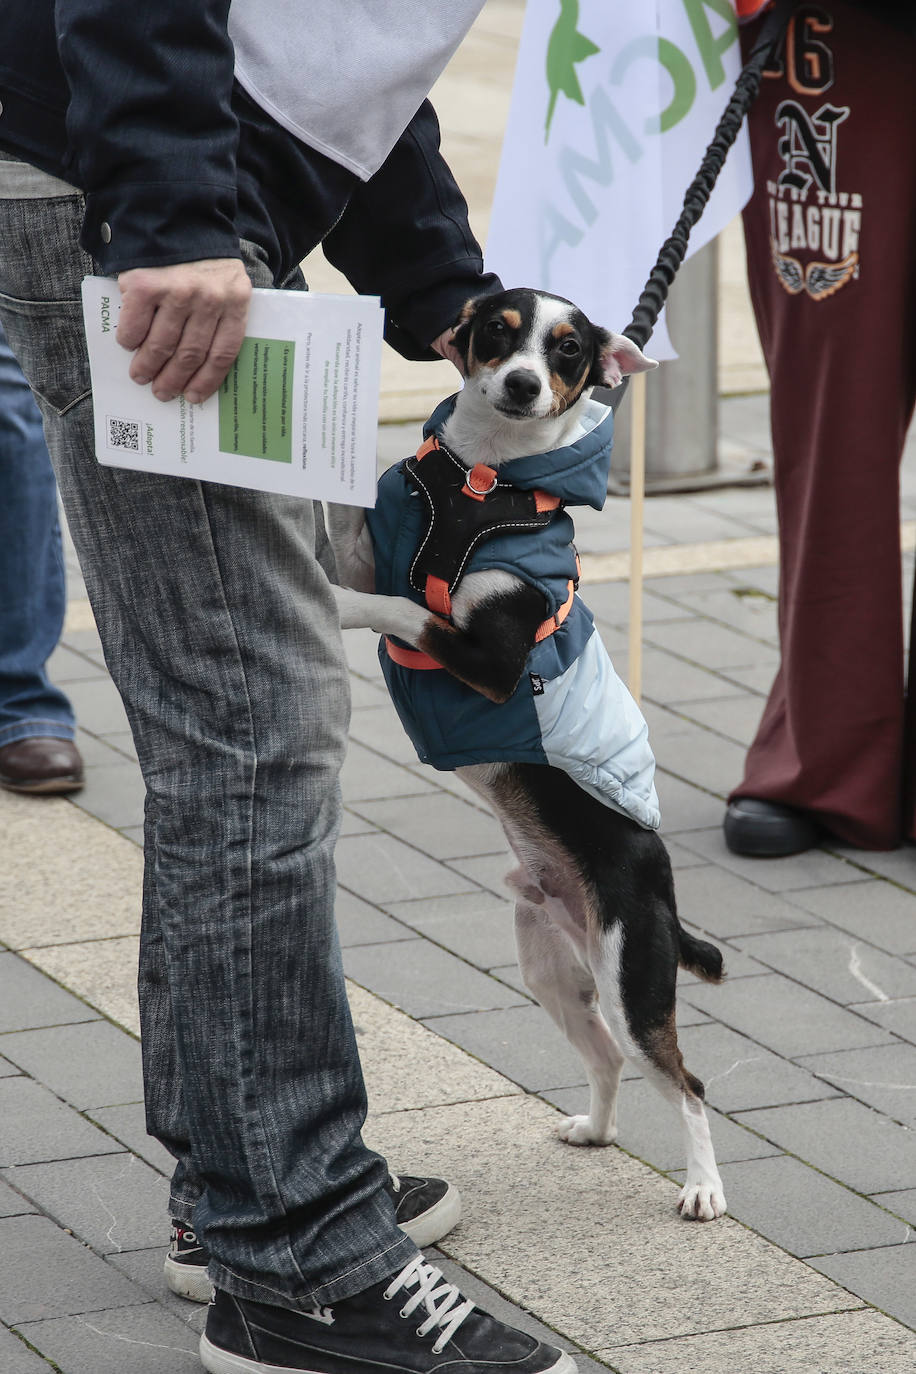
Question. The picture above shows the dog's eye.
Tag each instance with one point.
(495, 328)
(570, 348)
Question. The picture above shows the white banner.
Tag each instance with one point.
(613, 106)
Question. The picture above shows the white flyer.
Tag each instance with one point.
(297, 413)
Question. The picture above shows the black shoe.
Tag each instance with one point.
(186, 1265)
(425, 1208)
(767, 830)
(413, 1323)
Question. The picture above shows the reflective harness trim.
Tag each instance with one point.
(480, 482)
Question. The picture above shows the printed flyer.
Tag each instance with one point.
(296, 414)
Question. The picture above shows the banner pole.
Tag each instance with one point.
(637, 494)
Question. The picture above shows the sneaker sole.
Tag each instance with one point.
(191, 1281)
(188, 1280)
(218, 1361)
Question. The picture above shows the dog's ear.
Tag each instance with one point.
(616, 357)
(461, 339)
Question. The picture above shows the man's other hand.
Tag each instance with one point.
(185, 324)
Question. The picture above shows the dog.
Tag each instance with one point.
(497, 671)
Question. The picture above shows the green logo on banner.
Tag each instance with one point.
(565, 48)
(255, 401)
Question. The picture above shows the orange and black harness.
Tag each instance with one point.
(464, 508)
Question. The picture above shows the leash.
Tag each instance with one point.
(674, 249)
(655, 293)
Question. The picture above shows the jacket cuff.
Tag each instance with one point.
(157, 224)
(415, 320)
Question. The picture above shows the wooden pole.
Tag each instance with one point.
(637, 494)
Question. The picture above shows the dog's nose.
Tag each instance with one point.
(522, 386)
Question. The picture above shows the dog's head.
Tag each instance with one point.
(532, 355)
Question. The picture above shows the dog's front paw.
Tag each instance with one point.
(578, 1130)
(702, 1201)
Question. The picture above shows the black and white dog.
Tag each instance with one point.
(598, 936)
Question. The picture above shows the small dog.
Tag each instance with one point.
(466, 566)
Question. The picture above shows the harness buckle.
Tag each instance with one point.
(479, 482)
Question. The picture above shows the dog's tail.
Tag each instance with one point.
(700, 957)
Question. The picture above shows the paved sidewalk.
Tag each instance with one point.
(808, 1050)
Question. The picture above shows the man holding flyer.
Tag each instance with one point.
(192, 152)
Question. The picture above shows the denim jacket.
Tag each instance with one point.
(179, 166)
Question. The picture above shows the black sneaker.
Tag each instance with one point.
(431, 1327)
(425, 1208)
(186, 1265)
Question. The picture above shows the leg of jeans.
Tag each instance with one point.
(32, 590)
(220, 631)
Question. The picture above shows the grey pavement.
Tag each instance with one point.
(808, 1050)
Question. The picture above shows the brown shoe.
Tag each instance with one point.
(40, 764)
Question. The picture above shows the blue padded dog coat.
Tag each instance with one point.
(570, 709)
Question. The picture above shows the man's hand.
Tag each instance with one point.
(446, 349)
(186, 323)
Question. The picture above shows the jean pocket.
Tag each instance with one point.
(49, 342)
(41, 271)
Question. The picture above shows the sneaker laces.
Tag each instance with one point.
(437, 1295)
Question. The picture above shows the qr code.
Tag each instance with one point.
(124, 434)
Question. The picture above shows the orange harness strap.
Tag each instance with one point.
(481, 480)
(413, 658)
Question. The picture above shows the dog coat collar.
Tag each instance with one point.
(464, 507)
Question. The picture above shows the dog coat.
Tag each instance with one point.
(570, 709)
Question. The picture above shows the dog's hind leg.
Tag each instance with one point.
(561, 981)
(645, 1025)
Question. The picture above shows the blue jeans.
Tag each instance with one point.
(32, 589)
(220, 630)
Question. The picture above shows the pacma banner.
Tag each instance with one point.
(613, 106)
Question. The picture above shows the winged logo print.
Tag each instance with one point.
(789, 271)
(822, 279)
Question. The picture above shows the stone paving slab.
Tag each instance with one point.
(805, 1213)
(12, 1204)
(424, 980)
(27, 1000)
(17, 1358)
(784, 1015)
(382, 868)
(899, 1017)
(112, 1202)
(360, 923)
(92, 1064)
(835, 964)
(477, 926)
(726, 905)
(883, 1077)
(844, 1139)
(443, 827)
(741, 1074)
(46, 1273)
(871, 909)
(885, 1277)
(35, 1125)
(142, 1339)
(128, 1125)
(846, 1343)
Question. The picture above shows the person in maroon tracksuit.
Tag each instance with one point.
(830, 232)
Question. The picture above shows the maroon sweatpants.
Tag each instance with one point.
(831, 239)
